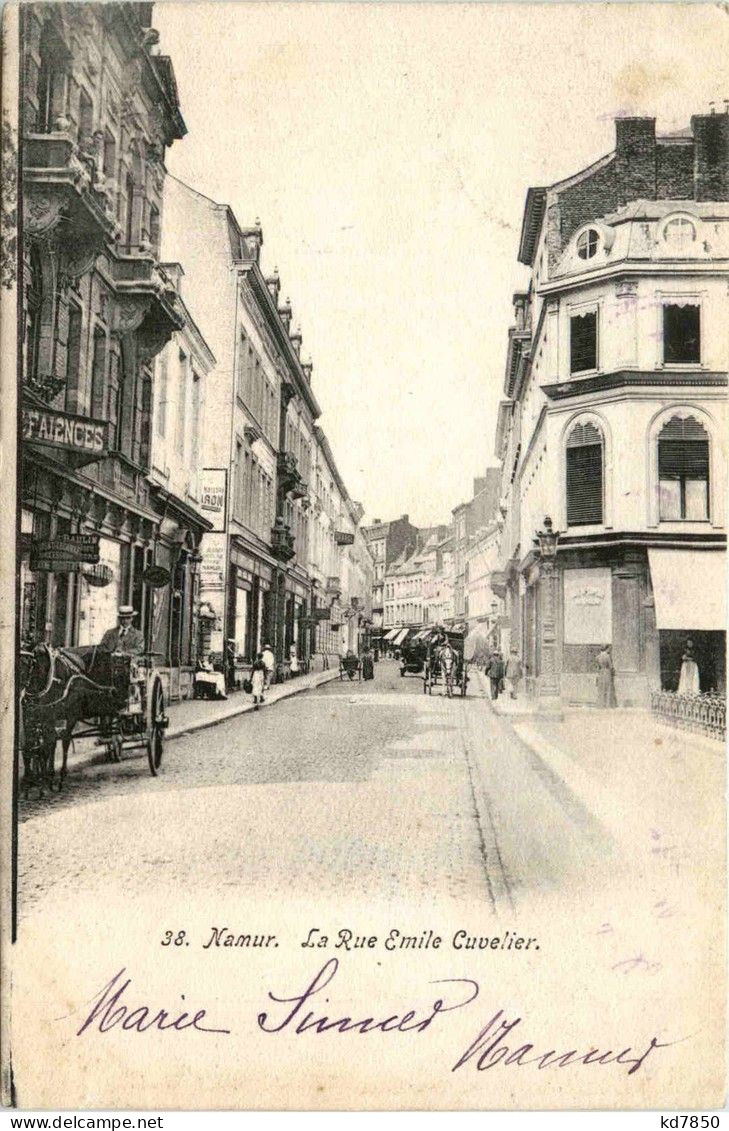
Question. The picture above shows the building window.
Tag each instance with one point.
(681, 333)
(162, 387)
(98, 375)
(50, 90)
(73, 357)
(584, 475)
(154, 228)
(587, 243)
(683, 471)
(129, 218)
(109, 154)
(85, 117)
(33, 306)
(679, 233)
(583, 342)
(181, 404)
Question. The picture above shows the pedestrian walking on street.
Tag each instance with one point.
(269, 662)
(495, 671)
(368, 665)
(605, 678)
(514, 673)
(294, 667)
(258, 680)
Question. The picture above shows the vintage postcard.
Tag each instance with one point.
(364, 376)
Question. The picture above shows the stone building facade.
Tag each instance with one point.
(99, 109)
(387, 541)
(614, 422)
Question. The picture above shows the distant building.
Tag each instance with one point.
(469, 519)
(614, 418)
(257, 443)
(182, 370)
(387, 541)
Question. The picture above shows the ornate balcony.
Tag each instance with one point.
(146, 302)
(282, 541)
(65, 189)
(289, 477)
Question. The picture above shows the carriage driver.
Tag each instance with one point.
(125, 638)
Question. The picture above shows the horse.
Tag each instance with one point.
(448, 661)
(61, 686)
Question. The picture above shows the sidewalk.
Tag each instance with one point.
(192, 715)
(504, 705)
(657, 790)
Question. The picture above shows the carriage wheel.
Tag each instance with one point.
(155, 729)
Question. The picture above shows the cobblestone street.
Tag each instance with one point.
(371, 787)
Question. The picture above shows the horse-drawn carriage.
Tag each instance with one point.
(117, 699)
(350, 667)
(445, 662)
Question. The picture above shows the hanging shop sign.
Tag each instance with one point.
(321, 614)
(213, 496)
(64, 431)
(99, 575)
(343, 538)
(156, 576)
(64, 554)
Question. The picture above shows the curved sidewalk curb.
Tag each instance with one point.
(287, 690)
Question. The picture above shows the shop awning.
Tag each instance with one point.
(401, 636)
(391, 634)
(689, 587)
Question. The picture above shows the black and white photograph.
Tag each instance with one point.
(363, 594)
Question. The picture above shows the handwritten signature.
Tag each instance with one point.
(111, 1008)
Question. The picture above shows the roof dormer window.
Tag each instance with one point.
(588, 243)
(679, 233)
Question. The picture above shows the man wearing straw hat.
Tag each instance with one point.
(125, 638)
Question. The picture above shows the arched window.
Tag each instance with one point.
(683, 470)
(584, 475)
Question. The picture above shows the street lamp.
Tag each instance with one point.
(546, 540)
(547, 678)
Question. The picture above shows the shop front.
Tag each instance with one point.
(686, 624)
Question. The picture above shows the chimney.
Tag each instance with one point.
(285, 313)
(307, 366)
(635, 159)
(253, 241)
(711, 156)
(274, 285)
(296, 340)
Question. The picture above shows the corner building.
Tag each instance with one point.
(99, 109)
(614, 418)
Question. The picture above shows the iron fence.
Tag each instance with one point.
(703, 714)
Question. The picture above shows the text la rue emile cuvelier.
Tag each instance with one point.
(347, 940)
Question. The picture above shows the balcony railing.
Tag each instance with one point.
(702, 714)
(282, 542)
(289, 477)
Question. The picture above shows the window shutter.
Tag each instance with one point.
(683, 459)
(584, 484)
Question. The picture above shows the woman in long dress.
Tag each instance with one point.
(258, 680)
(605, 679)
(688, 680)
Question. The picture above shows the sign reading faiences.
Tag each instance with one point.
(213, 496)
(62, 430)
(344, 538)
(65, 554)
